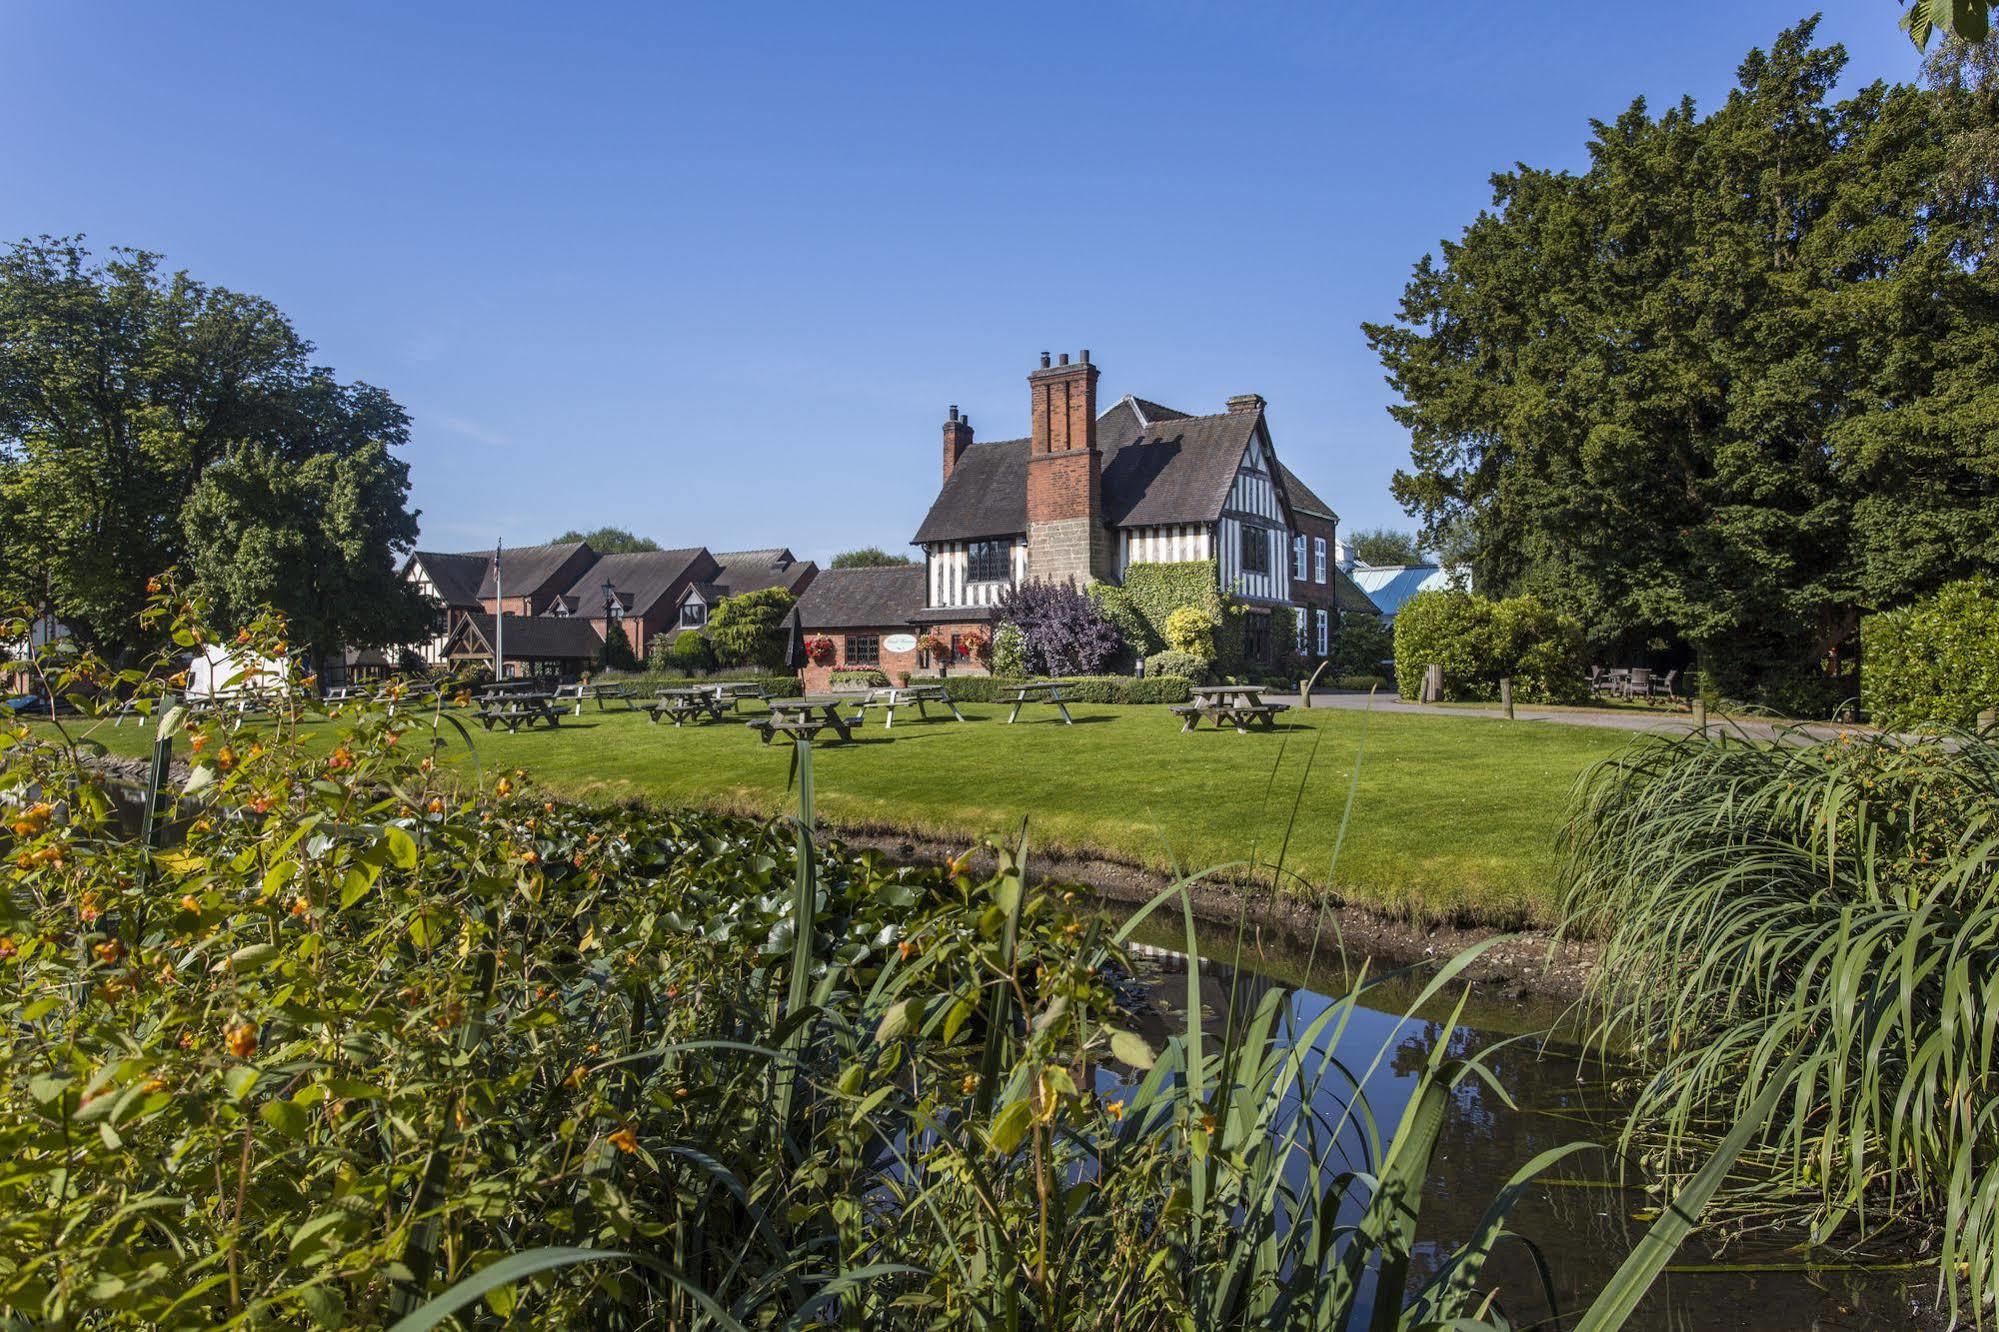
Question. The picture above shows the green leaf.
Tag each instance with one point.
(252, 957)
(895, 1021)
(239, 1080)
(523, 1265)
(1009, 1126)
(285, 1117)
(402, 847)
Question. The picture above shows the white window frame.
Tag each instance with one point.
(1298, 557)
(1325, 628)
(700, 610)
(1304, 626)
(1318, 560)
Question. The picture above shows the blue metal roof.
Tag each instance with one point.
(1390, 585)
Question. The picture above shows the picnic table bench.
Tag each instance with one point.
(730, 695)
(895, 696)
(801, 717)
(515, 710)
(1049, 692)
(603, 693)
(1237, 705)
(682, 705)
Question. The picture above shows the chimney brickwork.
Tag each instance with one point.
(1066, 538)
(957, 438)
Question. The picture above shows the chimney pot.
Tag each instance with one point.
(1085, 357)
(1044, 360)
(1064, 360)
(954, 411)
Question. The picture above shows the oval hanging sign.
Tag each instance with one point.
(899, 643)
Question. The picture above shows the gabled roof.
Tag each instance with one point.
(456, 577)
(1176, 470)
(754, 570)
(863, 598)
(640, 578)
(527, 637)
(1160, 466)
(1302, 497)
(528, 570)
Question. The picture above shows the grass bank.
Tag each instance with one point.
(1452, 820)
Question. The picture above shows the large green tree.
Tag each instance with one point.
(609, 540)
(122, 388)
(1386, 545)
(1728, 386)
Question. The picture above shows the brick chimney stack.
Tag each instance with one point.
(1066, 540)
(957, 438)
(1246, 402)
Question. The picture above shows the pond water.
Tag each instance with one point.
(1580, 1215)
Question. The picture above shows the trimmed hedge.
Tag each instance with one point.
(1934, 661)
(777, 686)
(1119, 689)
(1479, 641)
(1186, 665)
(873, 679)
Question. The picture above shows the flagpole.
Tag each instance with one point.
(499, 619)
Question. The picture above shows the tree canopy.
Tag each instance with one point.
(1386, 545)
(750, 628)
(150, 421)
(608, 540)
(868, 557)
(1730, 385)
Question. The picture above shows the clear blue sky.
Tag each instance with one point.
(715, 273)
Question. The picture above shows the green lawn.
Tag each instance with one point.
(1454, 819)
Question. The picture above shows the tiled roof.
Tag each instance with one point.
(1302, 496)
(641, 578)
(1161, 467)
(863, 598)
(532, 637)
(456, 577)
(527, 570)
(753, 570)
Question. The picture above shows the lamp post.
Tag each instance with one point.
(610, 594)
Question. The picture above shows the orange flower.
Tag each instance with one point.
(1116, 1109)
(343, 757)
(153, 1084)
(7, 947)
(225, 758)
(436, 805)
(905, 948)
(969, 1085)
(300, 907)
(240, 1035)
(88, 909)
(503, 787)
(261, 805)
(625, 1140)
(187, 902)
(109, 952)
(531, 856)
(197, 743)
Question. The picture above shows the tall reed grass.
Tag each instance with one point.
(1833, 904)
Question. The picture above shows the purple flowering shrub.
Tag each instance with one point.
(1066, 633)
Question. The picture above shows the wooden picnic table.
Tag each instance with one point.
(1044, 691)
(683, 705)
(894, 696)
(1236, 705)
(514, 711)
(802, 717)
(603, 693)
(732, 694)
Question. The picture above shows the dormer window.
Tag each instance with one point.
(693, 614)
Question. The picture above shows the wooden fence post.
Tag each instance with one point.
(1433, 683)
(1506, 696)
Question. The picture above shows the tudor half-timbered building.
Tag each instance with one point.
(1087, 495)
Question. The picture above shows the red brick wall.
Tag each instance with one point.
(897, 666)
(1311, 594)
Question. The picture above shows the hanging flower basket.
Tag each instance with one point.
(975, 645)
(819, 649)
(935, 646)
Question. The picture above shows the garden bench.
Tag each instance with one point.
(1237, 705)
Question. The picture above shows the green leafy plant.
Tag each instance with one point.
(748, 628)
(1935, 661)
(1191, 630)
(1479, 641)
(1009, 656)
(1829, 904)
(1186, 665)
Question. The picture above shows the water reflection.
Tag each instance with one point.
(1580, 1215)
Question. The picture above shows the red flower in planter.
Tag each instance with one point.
(974, 644)
(819, 649)
(935, 646)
